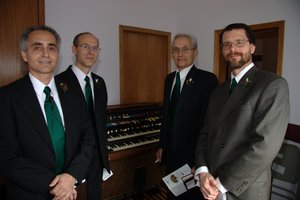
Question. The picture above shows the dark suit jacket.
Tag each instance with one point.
(26, 151)
(100, 103)
(244, 132)
(179, 144)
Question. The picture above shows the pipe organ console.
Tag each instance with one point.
(133, 126)
(133, 135)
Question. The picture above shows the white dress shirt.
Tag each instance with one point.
(39, 91)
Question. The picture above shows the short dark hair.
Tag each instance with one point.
(75, 40)
(30, 29)
(248, 31)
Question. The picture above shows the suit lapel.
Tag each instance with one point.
(241, 90)
(32, 107)
(168, 88)
(187, 87)
(97, 93)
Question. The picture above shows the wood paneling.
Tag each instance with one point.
(15, 16)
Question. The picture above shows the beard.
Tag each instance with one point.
(235, 64)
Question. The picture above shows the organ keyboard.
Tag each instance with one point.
(133, 135)
(133, 125)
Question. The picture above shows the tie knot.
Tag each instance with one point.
(87, 79)
(233, 83)
(47, 90)
(177, 76)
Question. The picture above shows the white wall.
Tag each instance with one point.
(201, 18)
(102, 18)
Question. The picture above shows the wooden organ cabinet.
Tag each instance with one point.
(133, 135)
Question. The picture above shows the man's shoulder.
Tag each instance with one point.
(65, 73)
(265, 77)
(96, 76)
(205, 72)
(98, 80)
(16, 89)
(206, 76)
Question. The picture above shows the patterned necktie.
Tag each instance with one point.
(232, 86)
(56, 129)
(175, 96)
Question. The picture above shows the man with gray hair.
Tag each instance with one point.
(186, 95)
(45, 134)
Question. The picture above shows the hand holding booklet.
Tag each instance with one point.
(180, 181)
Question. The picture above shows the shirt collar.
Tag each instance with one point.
(184, 71)
(39, 86)
(242, 73)
(80, 74)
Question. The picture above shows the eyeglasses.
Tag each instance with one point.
(184, 50)
(237, 43)
(87, 47)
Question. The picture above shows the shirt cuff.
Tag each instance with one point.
(220, 186)
(200, 170)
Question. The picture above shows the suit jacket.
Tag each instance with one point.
(244, 132)
(26, 151)
(100, 103)
(179, 144)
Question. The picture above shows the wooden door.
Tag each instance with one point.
(15, 16)
(144, 64)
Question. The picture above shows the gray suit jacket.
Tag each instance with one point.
(243, 133)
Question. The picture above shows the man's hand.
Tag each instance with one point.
(158, 155)
(208, 186)
(63, 187)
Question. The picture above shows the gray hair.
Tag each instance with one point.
(189, 36)
(25, 34)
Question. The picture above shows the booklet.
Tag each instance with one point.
(180, 181)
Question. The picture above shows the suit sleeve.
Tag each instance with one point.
(17, 168)
(269, 122)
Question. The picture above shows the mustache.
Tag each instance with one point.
(235, 54)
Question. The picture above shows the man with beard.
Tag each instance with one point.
(244, 126)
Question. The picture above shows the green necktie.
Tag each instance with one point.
(56, 129)
(90, 106)
(88, 95)
(232, 86)
(175, 96)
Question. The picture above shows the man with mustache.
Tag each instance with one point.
(245, 124)
(183, 117)
(46, 139)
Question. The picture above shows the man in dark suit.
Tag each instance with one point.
(245, 124)
(38, 162)
(182, 122)
(86, 50)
